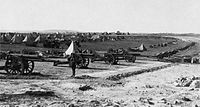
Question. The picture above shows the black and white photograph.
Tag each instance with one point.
(99, 53)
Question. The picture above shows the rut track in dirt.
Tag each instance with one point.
(137, 68)
(128, 74)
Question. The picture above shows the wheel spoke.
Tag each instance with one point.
(29, 66)
(14, 65)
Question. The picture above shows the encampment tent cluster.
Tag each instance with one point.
(50, 39)
(18, 38)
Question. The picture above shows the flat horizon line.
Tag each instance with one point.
(61, 30)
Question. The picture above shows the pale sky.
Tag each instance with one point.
(141, 16)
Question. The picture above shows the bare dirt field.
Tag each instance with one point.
(140, 84)
(64, 90)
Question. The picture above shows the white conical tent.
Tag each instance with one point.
(1, 39)
(13, 39)
(16, 39)
(70, 49)
(25, 39)
(9, 37)
(94, 37)
(28, 40)
(38, 39)
(142, 47)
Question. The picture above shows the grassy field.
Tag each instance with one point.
(134, 41)
(103, 46)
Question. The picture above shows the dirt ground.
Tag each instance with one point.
(141, 84)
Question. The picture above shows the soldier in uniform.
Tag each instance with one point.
(73, 64)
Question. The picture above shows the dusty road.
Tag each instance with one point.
(154, 85)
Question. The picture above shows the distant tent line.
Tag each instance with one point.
(52, 39)
(27, 39)
(19, 39)
(16, 38)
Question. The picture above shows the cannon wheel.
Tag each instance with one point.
(130, 58)
(28, 66)
(109, 59)
(14, 65)
(81, 62)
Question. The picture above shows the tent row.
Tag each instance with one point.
(17, 38)
(20, 39)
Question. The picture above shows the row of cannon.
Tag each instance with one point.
(161, 44)
(24, 63)
(172, 52)
(166, 54)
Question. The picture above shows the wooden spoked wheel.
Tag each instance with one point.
(28, 66)
(14, 65)
(109, 59)
(78, 59)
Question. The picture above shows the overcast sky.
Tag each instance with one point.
(178, 16)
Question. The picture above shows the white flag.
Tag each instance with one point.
(70, 49)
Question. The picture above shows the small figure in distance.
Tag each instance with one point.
(73, 64)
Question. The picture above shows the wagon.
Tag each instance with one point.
(18, 64)
(24, 63)
(113, 56)
(21, 63)
(82, 60)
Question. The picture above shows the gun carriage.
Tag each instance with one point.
(24, 63)
(16, 63)
(20, 63)
(110, 57)
(82, 60)
(113, 56)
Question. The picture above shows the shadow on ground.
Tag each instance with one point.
(28, 96)
(27, 76)
(92, 68)
(85, 77)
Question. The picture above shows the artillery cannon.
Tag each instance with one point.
(113, 56)
(21, 63)
(82, 60)
(24, 63)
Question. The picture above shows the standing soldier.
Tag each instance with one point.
(73, 64)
